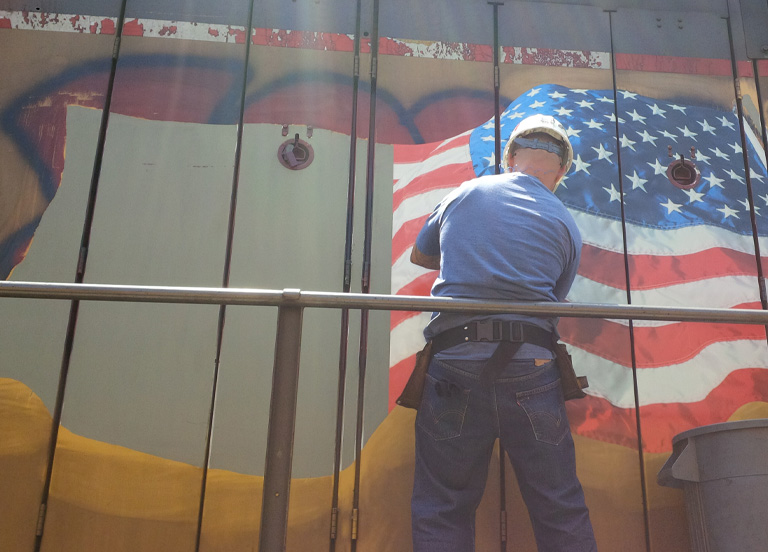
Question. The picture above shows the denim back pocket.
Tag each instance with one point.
(443, 407)
(546, 412)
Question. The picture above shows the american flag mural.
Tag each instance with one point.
(684, 247)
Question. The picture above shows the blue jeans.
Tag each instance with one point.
(457, 424)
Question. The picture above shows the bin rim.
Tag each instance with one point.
(723, 426)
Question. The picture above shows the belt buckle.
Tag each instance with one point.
(484, 331)
(516, 332)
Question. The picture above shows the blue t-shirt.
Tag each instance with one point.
(501, 237)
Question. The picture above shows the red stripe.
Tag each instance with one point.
(421, 285)
(412, 153)
(680, 65)
(654, 346)
(447, 176)
(656, 271)
(398, 317)
(398, 376)
(597, 419)
(452, 143)
(416, 153)
(405, 236)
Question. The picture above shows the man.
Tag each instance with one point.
(501, 237)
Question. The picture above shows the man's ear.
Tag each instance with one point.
(561, 173)
(510, 159)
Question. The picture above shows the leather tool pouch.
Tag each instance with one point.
(571, 383)
(411, 395)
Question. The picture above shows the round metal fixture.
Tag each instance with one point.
(295, 154)
(684, 174)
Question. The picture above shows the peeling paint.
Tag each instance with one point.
(108, 26)
(309, 40)
(460, 51)
(133, 28)
(556, 58)
(238, 33)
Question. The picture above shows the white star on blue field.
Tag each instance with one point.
(647, 127)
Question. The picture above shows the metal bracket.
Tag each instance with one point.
(355, 518)
(754, 17)
(503, 524)
(334, 522)
(40, 520)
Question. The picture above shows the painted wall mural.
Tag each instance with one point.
(164, 200)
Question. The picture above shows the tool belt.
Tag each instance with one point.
(495, 331)
(510, 336)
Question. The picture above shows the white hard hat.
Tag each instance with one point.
(540, 123)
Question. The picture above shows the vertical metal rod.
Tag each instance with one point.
(636, 391)
(225, 277)
(496, 87)
(280, 435)
(346, 284)
(763, 130)
(764, 136)
(79, 277)
(366, 276)
(497, 170)
(369, 177)
(745, 158)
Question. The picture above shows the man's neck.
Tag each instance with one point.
(545, 176)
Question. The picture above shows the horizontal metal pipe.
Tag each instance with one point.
(321, 299)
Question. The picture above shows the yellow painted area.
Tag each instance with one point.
(107, 497)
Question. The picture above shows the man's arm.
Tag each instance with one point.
(427, 261)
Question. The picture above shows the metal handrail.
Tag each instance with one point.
(322, 299)
(285, 379)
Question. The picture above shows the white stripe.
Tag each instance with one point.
(687, 382)
(606, 234)
(407, 338)
(730, 291)
(418, 206)
(402, 169)
(404, 272)
(454, 156)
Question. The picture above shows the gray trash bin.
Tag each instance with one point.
(723, 469)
